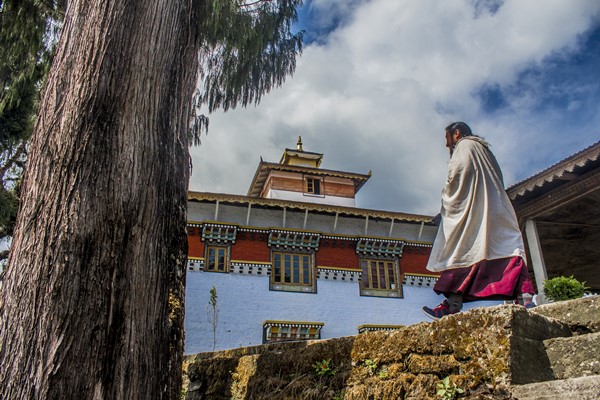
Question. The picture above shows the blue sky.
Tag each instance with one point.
(379, 80)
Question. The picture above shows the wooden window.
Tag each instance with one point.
(379, 278)
(313, 186)
(379, 274)
(217, 259)
(292, 269)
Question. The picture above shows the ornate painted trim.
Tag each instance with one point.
(370, 247)
(338, 274)
(290, 240)
(219, 233)
(250, 268)
(419, 280)
(376, 327)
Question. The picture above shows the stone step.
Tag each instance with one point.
(582, 315)
(573, 357)
(583, 388)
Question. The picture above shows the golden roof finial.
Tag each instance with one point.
(299, 144)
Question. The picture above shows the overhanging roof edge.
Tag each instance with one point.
(557, 170)
(265, 167)
(360, 212)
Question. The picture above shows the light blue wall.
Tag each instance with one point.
(245, 301)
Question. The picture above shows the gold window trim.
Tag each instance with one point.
(367, 288)
(300, 282)
(226, 261)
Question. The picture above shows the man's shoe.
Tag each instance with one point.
(438, 312)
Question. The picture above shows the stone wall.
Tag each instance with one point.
(483, 351)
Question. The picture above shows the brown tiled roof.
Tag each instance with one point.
(564, 170)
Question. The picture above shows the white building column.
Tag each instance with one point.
(248, 214)
(537, 258)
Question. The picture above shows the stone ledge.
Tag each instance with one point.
(574, 357)
(584, 388)
(582, 315)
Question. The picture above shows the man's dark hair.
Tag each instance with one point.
(462, 128)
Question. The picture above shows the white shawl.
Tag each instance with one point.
(478, 220)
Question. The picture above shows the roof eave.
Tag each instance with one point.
(362, 212)
(555, 171)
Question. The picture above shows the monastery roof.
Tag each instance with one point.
(300, 153)
(565, 170)
(263, 169)
(326, 208)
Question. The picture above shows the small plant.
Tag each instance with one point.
(448, 391)
(371, 365)
(383, 373)
(338, 396)
(564, 288)
(324, 368)
(213, 314)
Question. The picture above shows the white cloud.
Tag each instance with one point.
(377, 95)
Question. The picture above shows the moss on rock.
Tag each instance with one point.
(480, 351)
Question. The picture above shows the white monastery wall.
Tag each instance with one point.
(306, 198)
(245, 302)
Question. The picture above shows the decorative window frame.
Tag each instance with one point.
(218, 236)
(294, 243)
(280, 331)
(226, 254)
(378, 327)
(380, 250)
(309, 186)
(310, 287)
(395, 288)
(219, 233)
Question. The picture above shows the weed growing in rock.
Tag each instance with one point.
(383, 373)
(324, 368)
(371, 365)
(448, 391)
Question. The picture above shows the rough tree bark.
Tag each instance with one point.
(92, 302)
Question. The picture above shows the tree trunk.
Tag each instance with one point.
(92, 301)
